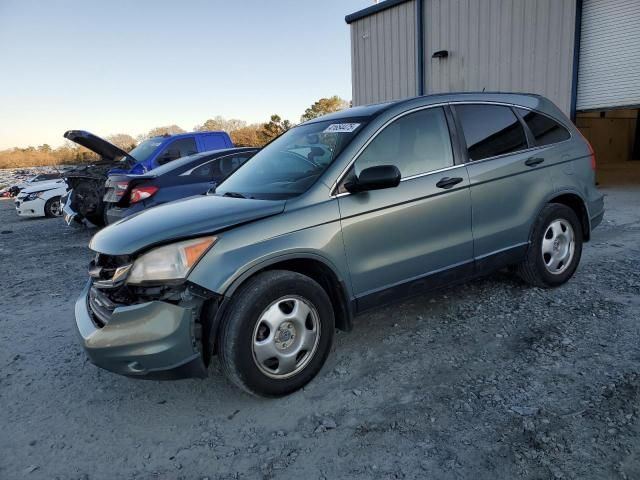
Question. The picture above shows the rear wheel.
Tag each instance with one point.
(555, 247)
(276, 334)
(53, 207)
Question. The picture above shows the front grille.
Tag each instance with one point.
(104, 296)
(101, 307)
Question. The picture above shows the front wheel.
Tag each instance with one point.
(53, 207)
(277, 333)
(555, 247)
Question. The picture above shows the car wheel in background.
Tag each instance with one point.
(53, 207)
(276, 334)
(555, 247)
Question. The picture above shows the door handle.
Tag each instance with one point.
(533, 161)
(447, 182)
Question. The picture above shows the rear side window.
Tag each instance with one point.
(490, 130)
(544, 129)
(220, 168)
(416, 143)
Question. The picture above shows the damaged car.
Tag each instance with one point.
(406, 197)
(41, 199)
(87, 182)
(185, 177)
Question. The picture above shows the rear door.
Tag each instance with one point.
(508, 180)
(398, 239)
(213, 141)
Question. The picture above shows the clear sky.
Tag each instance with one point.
(125, 66)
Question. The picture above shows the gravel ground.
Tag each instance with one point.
(492, 379)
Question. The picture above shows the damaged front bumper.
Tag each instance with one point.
(155, 339)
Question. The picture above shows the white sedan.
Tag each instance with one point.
(42, 200)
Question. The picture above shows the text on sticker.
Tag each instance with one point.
(341, 128)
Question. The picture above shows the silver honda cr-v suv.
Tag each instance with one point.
(338, 215)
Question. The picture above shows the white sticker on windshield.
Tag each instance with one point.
(341, 128)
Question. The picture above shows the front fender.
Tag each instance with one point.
(312, 233)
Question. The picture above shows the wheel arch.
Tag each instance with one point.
(575, 202)
(311, 265)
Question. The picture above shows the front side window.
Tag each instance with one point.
(289, 165)
(545, 130)
(415, 143)
(177, 149)
(490, 130)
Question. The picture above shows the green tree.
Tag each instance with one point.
(323, 107)
(274, 128)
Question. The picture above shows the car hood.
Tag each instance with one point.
(190, 217)
(42, 186)
(106, 150)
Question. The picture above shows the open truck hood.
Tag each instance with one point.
(186, 218)
(105, 149)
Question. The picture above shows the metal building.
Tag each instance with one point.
(582, 54)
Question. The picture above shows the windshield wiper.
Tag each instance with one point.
(233, 195)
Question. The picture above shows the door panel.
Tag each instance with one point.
(400, 234)
(506, 195)
(508, 180)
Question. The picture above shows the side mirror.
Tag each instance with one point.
(374, 178)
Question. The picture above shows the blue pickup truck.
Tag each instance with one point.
(86, 184)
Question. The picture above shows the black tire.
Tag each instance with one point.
(533, 269)
(235, 337)
(50, 208)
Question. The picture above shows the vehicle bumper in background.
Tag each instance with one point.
(153, 340)
(114, 214)
(33, 208)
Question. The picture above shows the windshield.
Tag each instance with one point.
(290, 164)
(143, 151)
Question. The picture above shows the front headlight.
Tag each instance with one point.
(169, 262)
(31, 196)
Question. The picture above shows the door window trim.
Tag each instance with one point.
(444, 105)
(188, 172)
(531, 147)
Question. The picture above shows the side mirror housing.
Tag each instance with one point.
(374, 178)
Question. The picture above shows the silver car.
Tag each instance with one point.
(339, 215)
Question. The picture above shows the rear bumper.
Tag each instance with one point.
(114, 214)
(153, 340)
(71, 217)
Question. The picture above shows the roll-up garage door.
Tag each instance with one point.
(609, 68)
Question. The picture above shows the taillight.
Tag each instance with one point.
(142, 193)
(120, 188)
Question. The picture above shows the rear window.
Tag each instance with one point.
(490, 130)
(544, 129)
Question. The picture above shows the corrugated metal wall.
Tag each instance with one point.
(609, 72)
(505, 45)
(383, 55)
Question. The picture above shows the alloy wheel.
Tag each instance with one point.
(558, 246)
(286, 337)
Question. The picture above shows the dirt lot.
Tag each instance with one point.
(488, 380)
